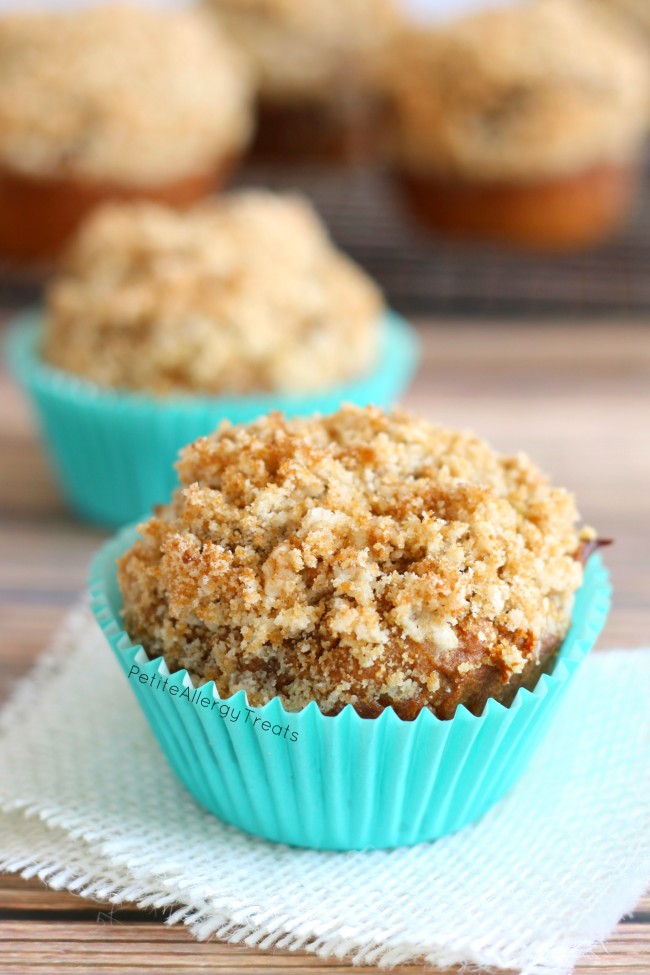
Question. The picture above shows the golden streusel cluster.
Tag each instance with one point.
(300, 50)
(119, 93)
(516, 92)
(364, 558)
(245, 293)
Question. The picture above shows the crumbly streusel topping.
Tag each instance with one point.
(536, 89)
(118, 92)
(303, 50)
(244, 293)
(360, 558)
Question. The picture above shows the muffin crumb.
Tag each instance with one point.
(516, 93)
(360, 558)
(242, 294)
(304, 52)
(120, 93)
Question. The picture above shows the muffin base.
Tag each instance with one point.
(331, 132)
(473, 689)
(567, 213)
(344, 782)
(38, 215)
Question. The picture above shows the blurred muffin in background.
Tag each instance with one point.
(107, 102)
(310, 60)
(158, 325)
(245, 294)
(523, 123)
(635, 12)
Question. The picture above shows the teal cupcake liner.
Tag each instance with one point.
(342, 782)
(114, 452)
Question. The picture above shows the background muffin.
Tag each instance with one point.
(361, 558)
(111, 101)
(523, 122)
(310, 61)
(244, 294)
(159, 325)
(635, 12)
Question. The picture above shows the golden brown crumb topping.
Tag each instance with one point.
(245, 293)
(118, 92)
(518, 92)
(303, 50)
(358, 558)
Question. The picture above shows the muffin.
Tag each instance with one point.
(635, 12)
(523, 124)
(351, 631)
(241, 295)
(311, 64)
(111, 102)
(160, 324)
(361, 558)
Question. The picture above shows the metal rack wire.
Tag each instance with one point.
(422, 275)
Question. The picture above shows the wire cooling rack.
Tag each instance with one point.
(424, 275)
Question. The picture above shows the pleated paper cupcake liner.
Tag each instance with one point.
(114, 452)
(341, 782)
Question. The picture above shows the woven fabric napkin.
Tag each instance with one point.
(88, 803)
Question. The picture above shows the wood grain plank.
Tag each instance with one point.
(68, 946)
(120, 948)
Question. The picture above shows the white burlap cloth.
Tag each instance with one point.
(88, 804)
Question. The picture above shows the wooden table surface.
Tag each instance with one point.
(575, 396)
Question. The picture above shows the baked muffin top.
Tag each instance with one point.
(303, 50)
(516, 92)
(118, 92)
(243, 294)
(358, 558)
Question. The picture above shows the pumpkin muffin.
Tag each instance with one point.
(244, 294)
(113, 101)
(524, 123)
(311, 63)
(360, 558)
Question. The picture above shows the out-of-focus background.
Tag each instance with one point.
(420, 272)
(424, 276)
